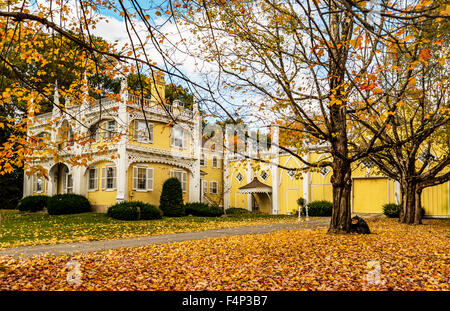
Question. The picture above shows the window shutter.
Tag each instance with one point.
(34, 184)
(103, 178)
(184, 183)
(96, 179)
(185, 139)
(136, 129)
(172, 137)
(114, 177)
(149, 178)
(150, 136)
(135, 178)
(171, 174)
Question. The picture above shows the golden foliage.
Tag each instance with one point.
(410, 258)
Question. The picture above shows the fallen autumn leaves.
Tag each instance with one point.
(408, 257)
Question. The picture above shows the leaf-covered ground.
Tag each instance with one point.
(408, 258)
(41, 228)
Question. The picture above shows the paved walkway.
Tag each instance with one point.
(85, 247)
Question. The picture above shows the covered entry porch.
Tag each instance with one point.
(261, 195)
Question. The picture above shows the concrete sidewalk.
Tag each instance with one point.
(86, 247)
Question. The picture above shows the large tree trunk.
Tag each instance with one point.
(341, 27)
(409, 196)
(342, 187)
(418, 206)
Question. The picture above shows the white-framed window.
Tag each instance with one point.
(141, 131)
(239, 177)
(70, 137)
(263, 175)
(203, 160)
(142, 178)
(204, 187)
(109, 128)
(178, 137)
(213, 187)
(93, 179)
(215, 162)
(69, 183)
(181, 176)
(109, 177)
(38, 184)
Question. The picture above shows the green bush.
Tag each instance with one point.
(149, 212)
(202, 209)
(68, 203)
(393, 210)
(134, 211)
(171, 200)
(237, 211)
(318, 208)
(32, 203)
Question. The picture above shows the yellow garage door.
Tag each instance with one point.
(435, 200)
(369, 195)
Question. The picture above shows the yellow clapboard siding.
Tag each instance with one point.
(369, 195)
(435, 200)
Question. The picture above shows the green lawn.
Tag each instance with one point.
(33, 229)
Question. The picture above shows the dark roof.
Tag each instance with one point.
(255, 183)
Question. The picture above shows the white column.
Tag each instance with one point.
(306, 183)
(194, 176)
(274, 150)
(77, 180)
(249, 179)
(397, 192)
(122, 161)
(226, 170)
(27, 185)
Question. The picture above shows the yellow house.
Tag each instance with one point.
(274, 185)
(132, 152)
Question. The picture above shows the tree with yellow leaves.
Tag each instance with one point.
(318, 63)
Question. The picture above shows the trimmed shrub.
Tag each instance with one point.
(171, 200)
(237, 211)
(149, 212)
(33, 203)
(318, 208)
(202, 209)
(69, 203)
(134, 211)
(392, 210)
